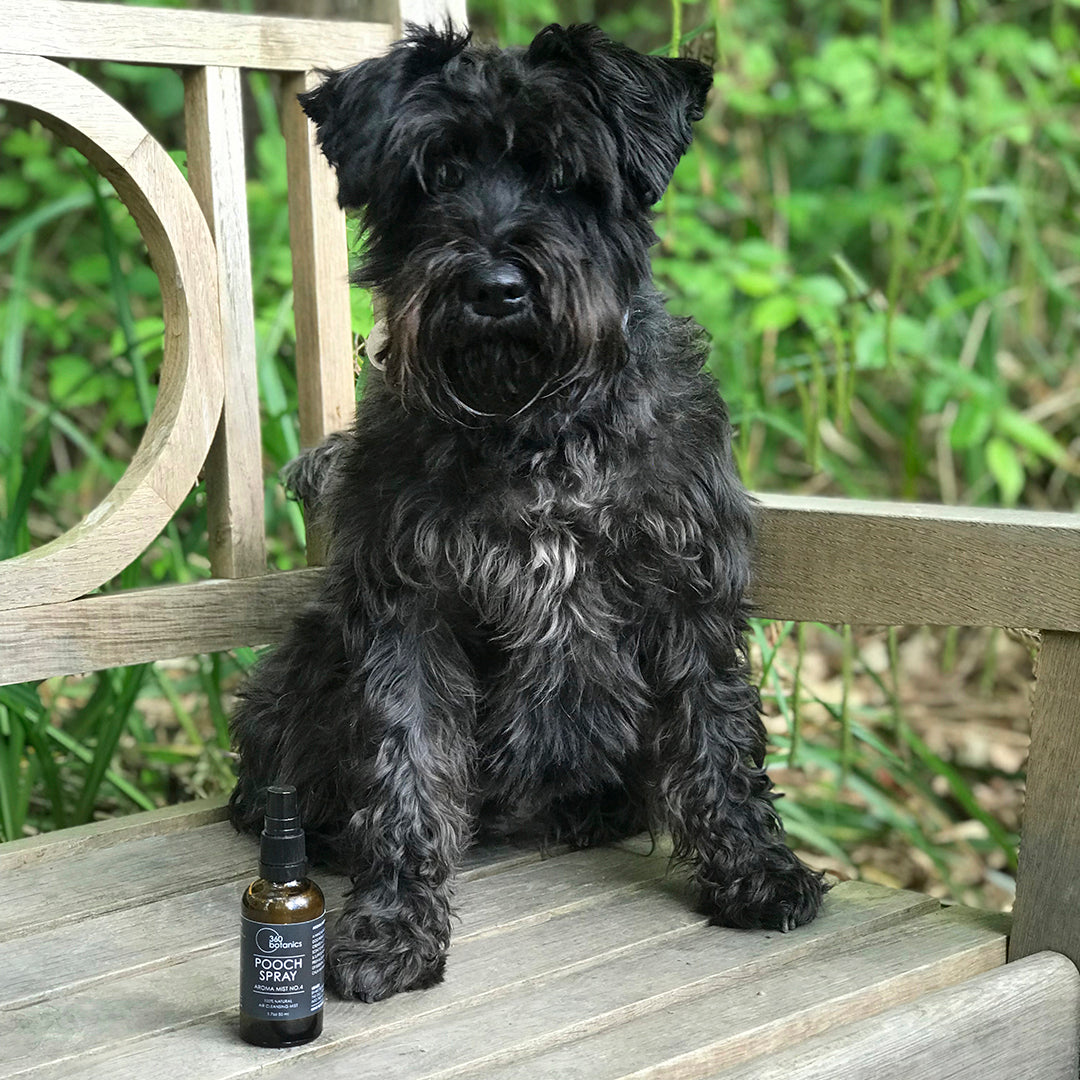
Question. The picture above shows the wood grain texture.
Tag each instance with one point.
(498, 888)
(46, 963)
(214, 123)
(694, 1029)
(850, 561)
(178, 434)
(66, 843)
(1047, 908)
(171, 621)
(150, 1000)
(507, 982)
(326, 387)
(75, 29)
(150, 624)
(1020, 1020)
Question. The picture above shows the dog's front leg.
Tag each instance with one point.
(711, 790)
(404, 840)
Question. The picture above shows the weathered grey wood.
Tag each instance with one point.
(180, 429)
(66, 843)
(325, 380)
(155, 1002)
(1017, 1021)
(689, 1031)
(1023, 571)
(214, 124)
(64, 29)
(1047, 908)
(123, 877)
(150, 624)
(503, 986)
(849, 561)
(498, 886)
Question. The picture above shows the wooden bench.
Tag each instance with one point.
(119, 939)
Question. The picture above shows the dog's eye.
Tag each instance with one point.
(560, 182)
(449, 176)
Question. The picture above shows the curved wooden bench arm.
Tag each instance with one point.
(178, 434)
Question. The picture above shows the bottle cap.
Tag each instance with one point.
(282, 853)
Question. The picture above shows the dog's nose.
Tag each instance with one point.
(498, 289)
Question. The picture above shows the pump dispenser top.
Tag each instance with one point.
(282, 855)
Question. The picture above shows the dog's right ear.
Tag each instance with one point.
(352, 109)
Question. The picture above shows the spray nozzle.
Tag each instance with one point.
(282, 854)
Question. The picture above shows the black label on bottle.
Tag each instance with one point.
(281, 968)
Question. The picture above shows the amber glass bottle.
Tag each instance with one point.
(282, 935)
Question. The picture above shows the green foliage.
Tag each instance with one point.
(875, 224)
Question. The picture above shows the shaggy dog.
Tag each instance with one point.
(532, 618)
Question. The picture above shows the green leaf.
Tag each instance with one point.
(1006, 468)
(775, 313)
(14, 192)
(755, 283)
(759, 254)
(1032, 436)
(74, 381)
(823, 290)
(972, 424)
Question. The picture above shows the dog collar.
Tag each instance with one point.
(374, 345)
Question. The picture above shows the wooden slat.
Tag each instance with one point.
(1048, 883)
(153, 1002)
(1020, 1020)
(324, 350)
(78, 30)
(66, 843)
(234, 484)
(878, 581)
(849, 561)
(150, 624)
(121, 878)
(46, 963)
(508, 985)
(692, 1030)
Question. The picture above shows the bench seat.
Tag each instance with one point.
(121, 949)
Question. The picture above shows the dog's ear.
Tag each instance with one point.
(352, 109)
(649, 101)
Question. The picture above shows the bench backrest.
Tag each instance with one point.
(825, 560)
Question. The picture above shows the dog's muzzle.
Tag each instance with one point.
(496, 290)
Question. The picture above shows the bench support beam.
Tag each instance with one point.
(1047, 910)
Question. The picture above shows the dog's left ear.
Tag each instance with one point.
(649, 101)
(352, 109)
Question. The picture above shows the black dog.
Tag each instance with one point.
(533, 617)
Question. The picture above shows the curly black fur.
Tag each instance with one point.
(533, 618)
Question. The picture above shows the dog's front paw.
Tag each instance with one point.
(372, 958)
(777, 893)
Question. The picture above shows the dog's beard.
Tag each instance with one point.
(470, 369)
